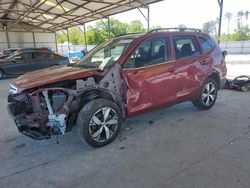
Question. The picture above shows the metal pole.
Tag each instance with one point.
(85, 37)
(148, 18)
(220, 19)
(7, 38)
(34, 40)
(109, 27)
(56, 43)
(68, 39)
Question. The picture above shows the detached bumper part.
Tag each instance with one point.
(27, 127)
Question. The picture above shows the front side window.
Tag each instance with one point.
(206, 44)
(149, 52)
(184, 47)
(105, 55)
(26, 55)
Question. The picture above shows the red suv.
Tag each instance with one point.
(123, 77)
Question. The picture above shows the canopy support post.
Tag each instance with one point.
(56, 42)
(85, 37)
(34, 40)
(109, 27)
(68, 39)
(147, 18)
(7, 38)
(220, 2)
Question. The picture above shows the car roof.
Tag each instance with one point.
(34, 49)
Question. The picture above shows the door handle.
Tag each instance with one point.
(135, 72)
(203, 62)
(171, 70)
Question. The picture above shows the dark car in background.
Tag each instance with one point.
(29, 59)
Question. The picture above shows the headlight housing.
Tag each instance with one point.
(13, 89)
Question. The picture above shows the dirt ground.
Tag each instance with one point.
(176, 147)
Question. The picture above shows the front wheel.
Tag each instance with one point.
(99, 122)
(207, 96)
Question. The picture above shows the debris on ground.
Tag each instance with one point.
(240, 83)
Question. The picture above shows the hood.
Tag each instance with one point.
(51, 75)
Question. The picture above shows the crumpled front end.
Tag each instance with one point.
(52, 109)
(42, 113)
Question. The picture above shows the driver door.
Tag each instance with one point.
(149, 78)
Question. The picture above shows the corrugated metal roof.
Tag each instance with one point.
(54, 15)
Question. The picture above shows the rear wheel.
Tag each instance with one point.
(207, 96)
(1, 74)
(99, 122)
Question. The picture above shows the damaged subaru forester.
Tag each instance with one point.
(123, 77)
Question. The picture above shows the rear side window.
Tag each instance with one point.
(184, 47)
(206, 44)
(42, 55)
(150, 52)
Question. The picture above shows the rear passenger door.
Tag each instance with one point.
(188, 69)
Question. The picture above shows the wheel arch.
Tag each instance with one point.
(215, 76)
(100, 93)
(2, 71)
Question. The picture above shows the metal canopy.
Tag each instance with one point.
(54, 15)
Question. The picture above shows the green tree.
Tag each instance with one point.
(228, 16)
(136, 27)
(246, 15)
(99, 32)
(61, 37)
(240, 15)
(210, 27)
(182, 26)
(76, 36)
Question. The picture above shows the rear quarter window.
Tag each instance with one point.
(206, 44)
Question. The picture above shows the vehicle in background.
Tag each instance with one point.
(76, 55)
(126, 76)
(29, 59)
(7, 52)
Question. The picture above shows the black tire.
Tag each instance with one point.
(88, 126)
(1, 74)
(208, 95)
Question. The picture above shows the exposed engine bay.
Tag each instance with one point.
(42, 112)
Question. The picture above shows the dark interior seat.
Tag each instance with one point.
(161, 53)
(186, 50)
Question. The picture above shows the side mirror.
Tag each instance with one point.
(224, 53)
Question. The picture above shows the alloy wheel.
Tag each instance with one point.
(209, 94)
(103, 124)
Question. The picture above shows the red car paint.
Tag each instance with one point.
(51, 75)
(150, 87)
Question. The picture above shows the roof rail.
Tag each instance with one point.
(124, 34)
(175, 29)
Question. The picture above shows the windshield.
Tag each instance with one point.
(11, 55)
(105, 55)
